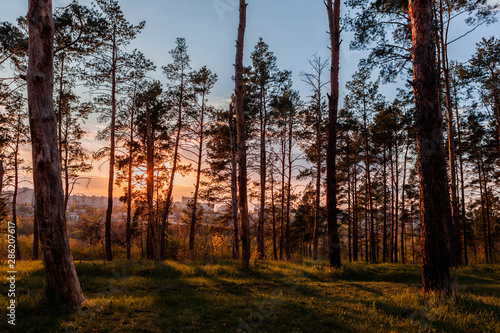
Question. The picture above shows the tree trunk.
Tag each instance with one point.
(151, 240)
(369, 189)
(109, 210)
(333, 100)
(384, 236)
(488, 217)
(1, 176)
(198, 175)
(275, 250)
(462, 184)
(483, 213)
(393, 245)
(434, 196)
(355, 217)
(242, 148)
(349, 220)
(168, 202)
(289, 189)
(282, 215)
(234, 184)
(262, 171)
(403, 214)
(454, 244)
(496, 107)
(49, 197)
(60, 108)
(16, 189)
(396, 205)
(317, 211)
(128, 236)
(412, 236)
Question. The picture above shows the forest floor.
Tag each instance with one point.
(301, 296)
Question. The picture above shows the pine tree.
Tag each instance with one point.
(50, 212)
(429, 135)
(106, 71)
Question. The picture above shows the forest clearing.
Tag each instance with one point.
(303, 296)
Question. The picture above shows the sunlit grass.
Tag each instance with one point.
(306, 296)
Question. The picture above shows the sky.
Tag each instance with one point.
(295, 30)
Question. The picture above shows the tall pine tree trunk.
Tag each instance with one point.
(403, 214)
(111, 180)
(462, 183)
(262, 171)
(128, 231)
(242, 148)
(384, 176)
(151, 239)
(317, 211)
(349, 219)
(333, 10)
(453, 232)
(355, 247)
(275, 249)
(234, 184)
(434, 196)
(289, 189)
(1, 176)
(282, 213)
(168, 202)
(16, 191)
(49, 197)
(198, 175)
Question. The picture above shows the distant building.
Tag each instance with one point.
(185, 202)
(91, 201)
(207, 207)
(222, 208)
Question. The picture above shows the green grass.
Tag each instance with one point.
(273, 297)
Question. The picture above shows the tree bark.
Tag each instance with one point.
(111, 180)
(282, 212)
(403, 211)
(396, 205)
(349, 220)
(275, 250)
(462, 185)
(333, 10)
(1, 176)
(241, 133)
(289, 189)
(384, 176)
(128, 231)
(151, 239)
(483, 213)
(355, 247)
(262, 171)
(369, 188)
(317, 211)
(50, 212)
(198, 175)
(168, 202)
(234, 184)
(453, 232)
(434, 192)
(16, 189)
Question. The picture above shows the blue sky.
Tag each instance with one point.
(294, 29)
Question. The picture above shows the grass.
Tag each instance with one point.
(301, 296)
